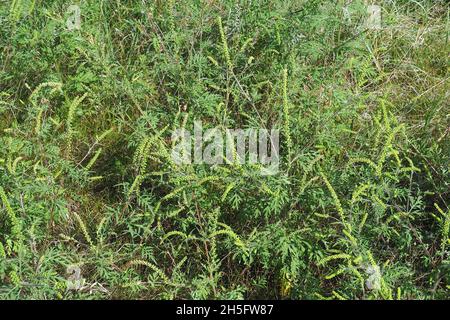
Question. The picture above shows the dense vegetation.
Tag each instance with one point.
(93, 207)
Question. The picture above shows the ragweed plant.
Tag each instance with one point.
(357, 210)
